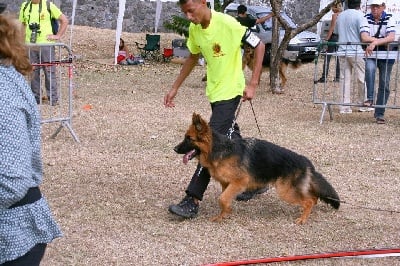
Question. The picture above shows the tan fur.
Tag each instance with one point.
(235, 179)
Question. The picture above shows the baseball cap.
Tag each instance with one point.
(376, 2)
(3, 7)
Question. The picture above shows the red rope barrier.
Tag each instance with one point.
(312, 256)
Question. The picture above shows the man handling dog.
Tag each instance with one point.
(218, 37)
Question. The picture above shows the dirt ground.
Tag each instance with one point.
(110, 192)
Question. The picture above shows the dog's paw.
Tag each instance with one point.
(217, 218)
(278, 91)
(220, 217)
(300, 221)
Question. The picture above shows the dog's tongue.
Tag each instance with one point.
(188, 156)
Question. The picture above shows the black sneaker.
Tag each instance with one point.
(187, 208)
(248, 195)
(321, 80)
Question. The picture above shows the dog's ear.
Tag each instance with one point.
(198, 122)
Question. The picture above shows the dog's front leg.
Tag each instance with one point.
(225, 200)
(223, 186)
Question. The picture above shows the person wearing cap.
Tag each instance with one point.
(382, 28)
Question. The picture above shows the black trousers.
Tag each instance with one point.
(31, 258)
(222, 117)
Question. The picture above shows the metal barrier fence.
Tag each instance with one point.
(52, 84)
(351, 90)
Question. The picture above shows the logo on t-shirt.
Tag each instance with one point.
(217, 50)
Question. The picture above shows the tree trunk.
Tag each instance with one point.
(274, 60)
(276, 55)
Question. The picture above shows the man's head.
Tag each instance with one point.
(337, 7)
(377, 8)
(376, 3)
(195, 10)
(242, 9)
(353, 4)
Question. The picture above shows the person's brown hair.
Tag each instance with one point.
(12, 45)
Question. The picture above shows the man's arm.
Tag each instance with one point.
(376, 42)
(63, 25)
(186, 69)
(332, 26)
(365, 37)
(265, 18)
(250, 89)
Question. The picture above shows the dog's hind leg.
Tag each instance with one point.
(307, 205)
(282, 72)
(297, 195)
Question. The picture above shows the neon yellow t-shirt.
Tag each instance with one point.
(29, 15)
(220, 44)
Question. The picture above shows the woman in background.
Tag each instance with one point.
(332, 37)
(26, 223)
(123, 54)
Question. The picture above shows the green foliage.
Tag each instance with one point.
(218, 6)
(178, 25)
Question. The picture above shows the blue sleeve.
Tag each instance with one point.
(15, 148)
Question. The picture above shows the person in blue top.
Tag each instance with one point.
(26, 222)
(352, 28)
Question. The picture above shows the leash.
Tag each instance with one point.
(230, 132)
(255, 118)
(232, 128)
(363, 207)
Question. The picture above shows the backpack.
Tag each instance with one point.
(54, 22)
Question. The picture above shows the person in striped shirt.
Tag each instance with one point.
(382, 28)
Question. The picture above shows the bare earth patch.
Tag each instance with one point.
(110, 192)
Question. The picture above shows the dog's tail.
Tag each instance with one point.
(325, 191)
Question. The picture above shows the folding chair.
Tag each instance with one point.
(151, 48)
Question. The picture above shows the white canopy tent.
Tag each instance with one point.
(120, 18)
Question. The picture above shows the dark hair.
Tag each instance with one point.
(353, 4)
(182, 2)
(3, 7)
(241, 9)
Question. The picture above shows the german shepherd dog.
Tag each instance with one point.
(249, 163)
(248, 60)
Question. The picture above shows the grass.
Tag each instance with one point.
(111, 191)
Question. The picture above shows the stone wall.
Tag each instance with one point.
(140, 15)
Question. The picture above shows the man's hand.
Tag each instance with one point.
(370, 48)
(52, 37)
(249, 92)
(168, 99)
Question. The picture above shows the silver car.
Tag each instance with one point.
(303, 47)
